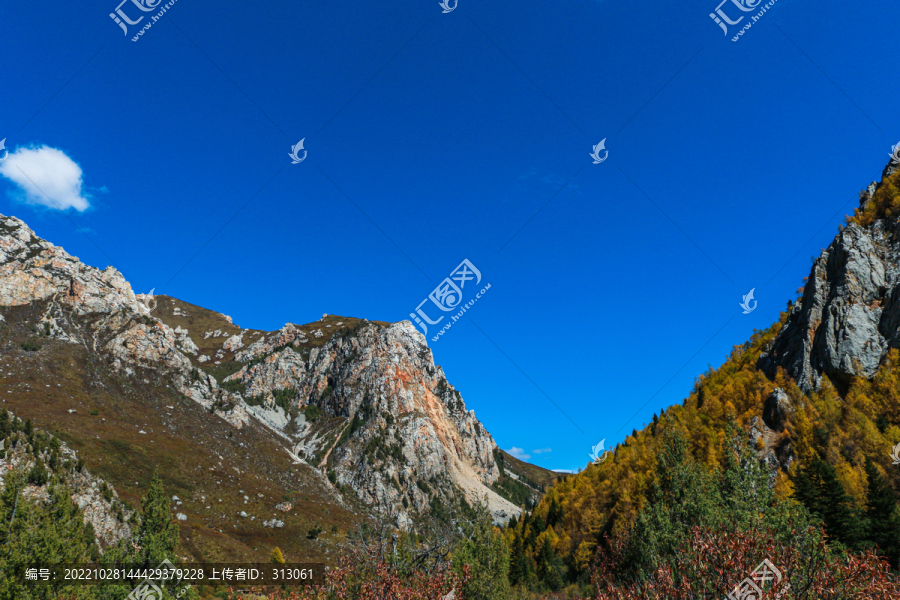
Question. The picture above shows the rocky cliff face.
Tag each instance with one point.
(849, 315)
(402, 428)
(98, 310)
(361, 401)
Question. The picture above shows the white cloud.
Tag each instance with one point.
(542, 450)
(42, 172)
(572, 471)
(518, 453)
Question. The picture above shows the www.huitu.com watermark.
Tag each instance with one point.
(599, 453)
(752, 587)
(150, 588)
(723, 19)
(456, 317)
(747, 299)
(123, 20)
(448, 296)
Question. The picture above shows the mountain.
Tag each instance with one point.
(849, 315)
(816, 396)
(286, 438)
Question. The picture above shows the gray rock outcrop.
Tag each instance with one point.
(849, 315)
(777, 410)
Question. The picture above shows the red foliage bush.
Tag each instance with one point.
(714, 563)
(355, 579)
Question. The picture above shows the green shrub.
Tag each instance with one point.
(486, 553)
(30, 346)
(235, 385)
(38, 474)
(312, 413)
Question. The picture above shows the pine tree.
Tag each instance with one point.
(277, 556)
(486, 553)
(882, 514)
(38, 474)
(554, 513)
(517, 568)
(549, 566)
(819, 489)
(156, 535)
(39, 531)
(536, 527)
(683, 495)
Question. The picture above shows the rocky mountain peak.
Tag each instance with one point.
(849, 315)
(359, 401)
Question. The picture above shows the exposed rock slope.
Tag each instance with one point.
(364, 400)
(849, 315)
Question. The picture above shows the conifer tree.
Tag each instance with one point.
(682, 495)
(486, 553)
(554, 513)
(517, 568)
(549, 566)
(536, 527)
(156, 535)
(882, 514)
(33, 532)
(819, 489)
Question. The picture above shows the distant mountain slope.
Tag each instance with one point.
(520, 482)
(821, 383)
(133, 383)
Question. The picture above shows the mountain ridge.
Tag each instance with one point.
(820, 386)
(353, 411)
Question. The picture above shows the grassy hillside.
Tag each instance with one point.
(125, 427)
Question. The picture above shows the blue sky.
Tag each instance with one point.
(434, 138)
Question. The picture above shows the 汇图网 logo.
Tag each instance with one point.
(598, 453)
(295, 153)
(148, 301)
(765, 575)
(723, 20)
(745, 303)
(297, 452)
(895, 153)
(596, 153)
(744, 5)
(121, 18)
(448, 295)
(144, 5)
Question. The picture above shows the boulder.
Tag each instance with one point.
(777, 410)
